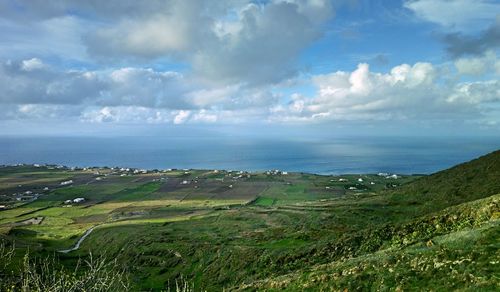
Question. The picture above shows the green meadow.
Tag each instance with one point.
(215, 230)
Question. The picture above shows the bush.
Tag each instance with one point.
(47, 274)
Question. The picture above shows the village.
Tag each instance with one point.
(18, 194)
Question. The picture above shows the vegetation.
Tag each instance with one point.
(46, 274)
(213, 230)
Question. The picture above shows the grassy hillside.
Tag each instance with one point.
(462, 183)
(236, 230)
(456, 248)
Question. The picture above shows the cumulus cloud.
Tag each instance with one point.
(478, 65)
(181, 117)
(32, 90)
(238, 42)
(29, 81)
(229, 41)
(31, 64)
(237, 58)
(125, 114)
(420, 91)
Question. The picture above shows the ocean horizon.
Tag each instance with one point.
(341, 155)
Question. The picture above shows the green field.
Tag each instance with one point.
(220, 230)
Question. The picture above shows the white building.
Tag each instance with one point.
(78, 200)
(68, 182)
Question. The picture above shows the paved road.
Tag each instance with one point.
(77, 245)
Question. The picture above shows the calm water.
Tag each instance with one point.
(333, 156)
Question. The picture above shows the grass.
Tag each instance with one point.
(299, 231)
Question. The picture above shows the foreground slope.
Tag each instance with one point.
(444, 234)
(462, 183)
(456, 248)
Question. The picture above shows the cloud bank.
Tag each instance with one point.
(239, 61)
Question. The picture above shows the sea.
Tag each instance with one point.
(339, 155)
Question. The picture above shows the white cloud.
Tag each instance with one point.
(461, 15)
(32, 64)
(234, 42)
(181, 117)
(205, 117)
(226, 42)
(126, 114)
(124, 94)
(135, 95)
(478, 65)
(419, 92)
(476, 93)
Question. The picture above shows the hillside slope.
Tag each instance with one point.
(460, 204)
(456, 248)
(465, 182)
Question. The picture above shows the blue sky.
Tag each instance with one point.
(280, 66)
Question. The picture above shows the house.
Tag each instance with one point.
(3, 207)
(342, 179)
(394, 176)
(360, 179)
(68, 182)
(68, 201)
(78, 200)
(372, 183)
(46, 188)
(383, 174)
(352, 188)
(284, 172)
(184, 182)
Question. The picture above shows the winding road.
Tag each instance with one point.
(77, 245)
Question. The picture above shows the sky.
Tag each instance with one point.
(276, 67)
